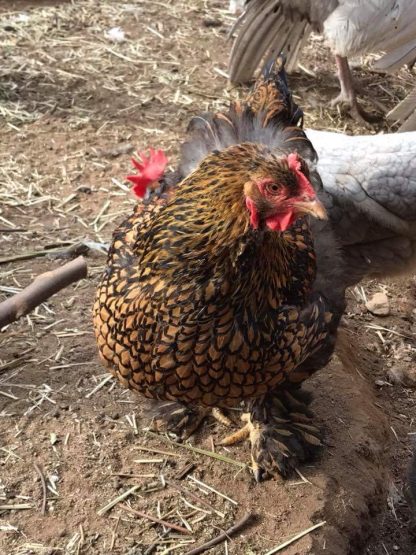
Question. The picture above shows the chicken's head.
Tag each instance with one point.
(279, 192)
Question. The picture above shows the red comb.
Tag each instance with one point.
(149, 169)
(293, 161)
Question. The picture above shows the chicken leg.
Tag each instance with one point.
(348, 94)
(279, 427)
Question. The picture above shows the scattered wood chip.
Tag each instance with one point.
(224, 536)
(210, 488)
(43, 484)
(176, 527)
(113, 152)
(16, 507)
(114, 502)
(184, 471)
(294, 539)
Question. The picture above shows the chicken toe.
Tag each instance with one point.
(183, 420)
(176, 418)
(277, 451)
(240, 435)
(280, 429)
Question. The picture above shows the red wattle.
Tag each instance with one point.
(281, 222)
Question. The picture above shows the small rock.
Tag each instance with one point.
(115, 34)
(378, 304)
(207, 22)
(84, 189)
(403, 375)
(117, 150)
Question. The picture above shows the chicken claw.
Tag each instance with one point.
(181, 420)
(280, 432)
(348, 95)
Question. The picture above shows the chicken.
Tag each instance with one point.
(350, 27)
(369, 191)
(209, 297)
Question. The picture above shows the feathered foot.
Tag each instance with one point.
(181, 420)
(348, 95)
(281, 433)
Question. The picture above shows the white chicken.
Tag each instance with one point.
(369, 188)
(350, 27)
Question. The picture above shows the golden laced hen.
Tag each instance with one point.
(210, 296)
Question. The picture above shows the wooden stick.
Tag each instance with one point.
(223, 536)
(295, 538)
(114, 502)
(43, 483)
(72, 250)
(195, 498)
(17, 507)
(198, 450)
(157, 520)
(44, 286)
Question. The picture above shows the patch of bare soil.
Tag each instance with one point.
(73, 106)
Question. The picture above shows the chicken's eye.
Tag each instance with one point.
(273, 188)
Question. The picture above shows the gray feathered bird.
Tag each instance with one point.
(369, 189)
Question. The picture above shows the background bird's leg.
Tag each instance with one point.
(348, 93)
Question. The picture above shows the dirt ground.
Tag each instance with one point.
(73, 105)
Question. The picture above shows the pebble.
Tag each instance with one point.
(403, 375)
(378, 304)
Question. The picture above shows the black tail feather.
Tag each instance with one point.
(274, 70)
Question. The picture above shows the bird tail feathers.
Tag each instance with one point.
(263, 31)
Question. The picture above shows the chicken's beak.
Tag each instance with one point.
(314, 207)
